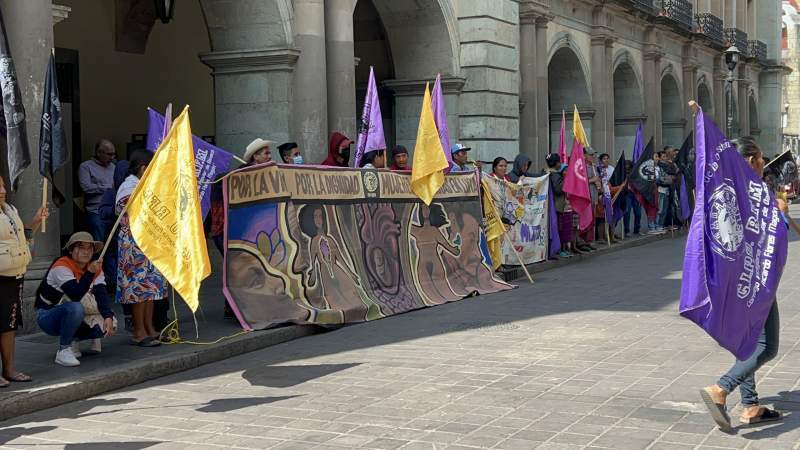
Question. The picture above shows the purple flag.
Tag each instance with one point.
(638, 144)
(210, 161)
(554, 240)
(736, 247)
(440, 117)
(684, 199)
(370, 136)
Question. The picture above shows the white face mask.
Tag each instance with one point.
(297, 159)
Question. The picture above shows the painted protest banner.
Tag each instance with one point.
(736, 248)
(318, 245)
(525, 208)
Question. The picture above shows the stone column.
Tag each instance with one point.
(542, 86)
(29, 27)
(341, 68)
(652, 91)
(770, 104)
(744, 105)
(309, 121)
(689, 82)
(602, 82)
(528, 98)
(609, 85)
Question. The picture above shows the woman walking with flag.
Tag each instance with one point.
(725, 320)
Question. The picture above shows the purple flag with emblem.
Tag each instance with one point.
(736, 247)
(211, 162)
(440, 117)
(554, 240)
(370, 136)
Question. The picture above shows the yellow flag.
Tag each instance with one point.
(577, 129)
(165, 217)
(495, 230)
(427, 171)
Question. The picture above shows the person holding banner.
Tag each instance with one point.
(556, 170)
(500, 168)
(258, 152)
(375, 159)
(290, 153)
(139, 283)
(400, 157)
(742, 374)
(338, 151)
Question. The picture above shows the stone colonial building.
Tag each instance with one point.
(297, 70)
(791, 89)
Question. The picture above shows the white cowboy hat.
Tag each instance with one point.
(254, 147)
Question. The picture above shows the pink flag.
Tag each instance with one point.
(576, 186)
(562, 139)
(440, 117)
(370, 135)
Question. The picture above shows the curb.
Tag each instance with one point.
(25, 402)
(512, 274)
(128, 374)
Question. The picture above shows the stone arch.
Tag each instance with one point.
(423, 35)
(704, 97)
(755, 129)
(262, 24)
(672, 119)
(568, 85)
(628, 102)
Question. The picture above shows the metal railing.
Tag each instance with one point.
(711, 27)
(737, 37)
(679, 11)
(757, 49)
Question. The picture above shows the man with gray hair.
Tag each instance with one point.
(96, 176)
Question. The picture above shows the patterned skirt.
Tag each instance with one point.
(137, 278)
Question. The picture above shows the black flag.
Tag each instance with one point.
(642, 180)
(620, 174)
(12, 117)
(685, 160)
(52, 140)
(783, 167)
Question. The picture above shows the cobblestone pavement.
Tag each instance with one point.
(593, 355)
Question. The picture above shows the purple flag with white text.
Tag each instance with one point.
(370, 136)
(736, 249)
(440, 118)
(211, 162)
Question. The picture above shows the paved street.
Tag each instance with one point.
(593, 355)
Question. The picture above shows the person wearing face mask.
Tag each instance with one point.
(338, 151)
(290, 153)
(72, 300)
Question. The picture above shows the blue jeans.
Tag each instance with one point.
(663, 208)
(743, 373)
(97, 227)
(66, 322)
(632, 206)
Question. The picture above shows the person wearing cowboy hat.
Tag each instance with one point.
(72, 301)
(258, 152)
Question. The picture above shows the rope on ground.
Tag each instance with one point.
(171, 334)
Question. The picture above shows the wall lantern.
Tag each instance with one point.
(165, 9)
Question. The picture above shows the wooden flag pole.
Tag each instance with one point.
(519, 258)
(44, 203)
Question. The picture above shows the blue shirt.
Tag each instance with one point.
(456, 168)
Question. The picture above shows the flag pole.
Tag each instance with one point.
(519, 258)
(44, 203)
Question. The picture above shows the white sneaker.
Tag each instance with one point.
(65, 357)
(76, 349)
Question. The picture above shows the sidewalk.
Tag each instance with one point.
(122, 365)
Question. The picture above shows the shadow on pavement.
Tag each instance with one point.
(787, 402)
(9, 434)
(133, 445)
(288, 376)
(224, 405)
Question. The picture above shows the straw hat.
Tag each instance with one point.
(83, 236)
(254, 147)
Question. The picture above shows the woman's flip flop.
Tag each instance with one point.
(718, 412)
(767, 415)
(146, 342)
(19, 377)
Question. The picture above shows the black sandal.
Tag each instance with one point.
(146, 342)
(767, 415)
(718, 412)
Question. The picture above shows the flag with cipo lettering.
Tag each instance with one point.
(164, 212)
(736, 249)
(370, 135)
(212, 162)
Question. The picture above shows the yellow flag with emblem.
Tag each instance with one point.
(427, 170)
(165, 217)
(495, 230)
(577, 128)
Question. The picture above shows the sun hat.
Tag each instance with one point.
(254, 147)
(83, 236)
